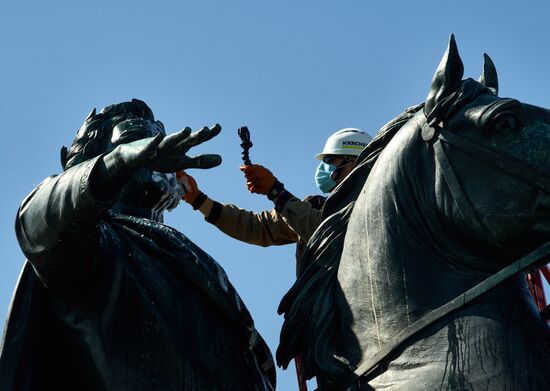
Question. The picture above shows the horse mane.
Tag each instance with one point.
(348, 190)
(311, 325)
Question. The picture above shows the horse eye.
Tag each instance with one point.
(505, 122)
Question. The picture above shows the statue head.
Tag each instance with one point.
(95, 136)
(148, 193)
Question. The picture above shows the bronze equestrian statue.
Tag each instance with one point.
(446, 195)
(111, 298)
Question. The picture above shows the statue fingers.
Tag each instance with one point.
(176, 138)
(148, 148)
(201, 136)
(202, 161)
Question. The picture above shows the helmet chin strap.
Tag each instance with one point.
(338, 171)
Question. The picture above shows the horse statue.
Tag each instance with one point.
(449, 193)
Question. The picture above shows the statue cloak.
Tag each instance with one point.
(115, 302)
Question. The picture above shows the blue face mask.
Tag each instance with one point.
(323, 177)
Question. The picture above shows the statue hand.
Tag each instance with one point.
(168, 153)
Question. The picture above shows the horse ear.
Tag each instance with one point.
(63, 156)
(489, 76)
(447, 77)
(92, 114)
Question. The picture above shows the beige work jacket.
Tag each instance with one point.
(294, 224)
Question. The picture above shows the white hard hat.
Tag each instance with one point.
(348, 141)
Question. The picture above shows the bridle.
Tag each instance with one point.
(515, 169)
(439, 137)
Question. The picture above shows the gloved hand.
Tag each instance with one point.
(259, 179)
(189, 186)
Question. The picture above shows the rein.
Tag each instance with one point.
(367, 369)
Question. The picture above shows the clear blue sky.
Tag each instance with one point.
(293, 71)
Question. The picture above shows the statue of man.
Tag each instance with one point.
(111, 298)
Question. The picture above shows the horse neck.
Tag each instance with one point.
(402, 257)
(400, 200)
(408, 238)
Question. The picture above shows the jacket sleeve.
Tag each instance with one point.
(266, 228)
(301, 216)
(57, 224)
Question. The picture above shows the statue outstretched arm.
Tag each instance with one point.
(163, 154)
(62, 213)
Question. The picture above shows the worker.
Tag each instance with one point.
(291, 220)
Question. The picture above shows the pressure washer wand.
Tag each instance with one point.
(246, 144)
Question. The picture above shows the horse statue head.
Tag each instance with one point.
(447, 194)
